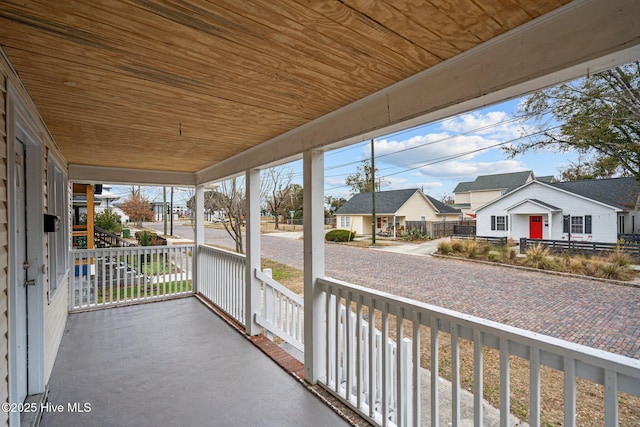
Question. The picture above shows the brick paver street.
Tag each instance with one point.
(584, 311)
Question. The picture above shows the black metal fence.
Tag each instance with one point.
(496, 241)
(633, 249)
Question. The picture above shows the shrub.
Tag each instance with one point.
(145, 238)
(485, 248)
(414, 234)
(339, 236)
(494, 256)
(445, 248)
(538, 257)
(109, 221)
(471, 248)
(610, 270)
(457, 245)
(620, 258)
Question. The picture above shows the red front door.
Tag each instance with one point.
(535, 227)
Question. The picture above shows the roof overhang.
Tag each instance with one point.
(206, 112)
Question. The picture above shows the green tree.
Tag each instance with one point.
(362, 180)
(108, 220)
(333, 204)
(598, 116)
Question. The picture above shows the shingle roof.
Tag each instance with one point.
(618, 192)
(387, 202)
(463, 187)
(441, 207)
(501, 181)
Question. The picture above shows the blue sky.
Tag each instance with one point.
(434, 157)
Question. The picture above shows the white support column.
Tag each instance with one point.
(550, 228)
(252, 284)
(315, 341)
(198, 237)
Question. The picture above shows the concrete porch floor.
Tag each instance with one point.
(172, 363)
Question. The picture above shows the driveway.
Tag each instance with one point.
(588, 312)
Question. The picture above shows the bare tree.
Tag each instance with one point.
(233, 202)
(276, 189)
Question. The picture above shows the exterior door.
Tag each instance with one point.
(535, 227)
(379, 223)
(19, 288)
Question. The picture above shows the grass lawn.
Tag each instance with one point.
(145, 290)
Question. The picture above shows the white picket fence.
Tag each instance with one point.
(118, 276)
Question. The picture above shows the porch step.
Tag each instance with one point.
(32, 419)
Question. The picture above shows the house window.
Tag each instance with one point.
(577, 224)
(499, 223)
(345, 221)
(58, 248)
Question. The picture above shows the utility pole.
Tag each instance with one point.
(164, 208)
(171, 211)
(373, 196)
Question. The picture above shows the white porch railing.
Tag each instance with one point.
(382, 382)
(281, 312)
(116, 276)
(221, 279)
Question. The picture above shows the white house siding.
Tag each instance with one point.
(4, 247)
(55, 313)
(55, 321)
(55, 316)
(604, 219)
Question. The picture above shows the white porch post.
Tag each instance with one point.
(550, 222)
(198, 238)
(252, 284)
(314, 343)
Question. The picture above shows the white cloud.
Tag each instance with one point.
(468, 171)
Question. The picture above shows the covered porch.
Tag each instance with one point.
(192, 93)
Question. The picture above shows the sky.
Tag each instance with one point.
(434, 157)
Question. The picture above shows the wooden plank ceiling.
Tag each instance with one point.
(180, 85)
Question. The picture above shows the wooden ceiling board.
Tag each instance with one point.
(167, 58)
(117, 81)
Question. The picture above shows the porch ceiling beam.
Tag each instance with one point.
(97, 174)
(574, 40)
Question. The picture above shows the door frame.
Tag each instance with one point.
(21, 124)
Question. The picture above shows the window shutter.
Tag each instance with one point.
(587, 224)
(565, 224)
(493, 222)
(506, 223)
